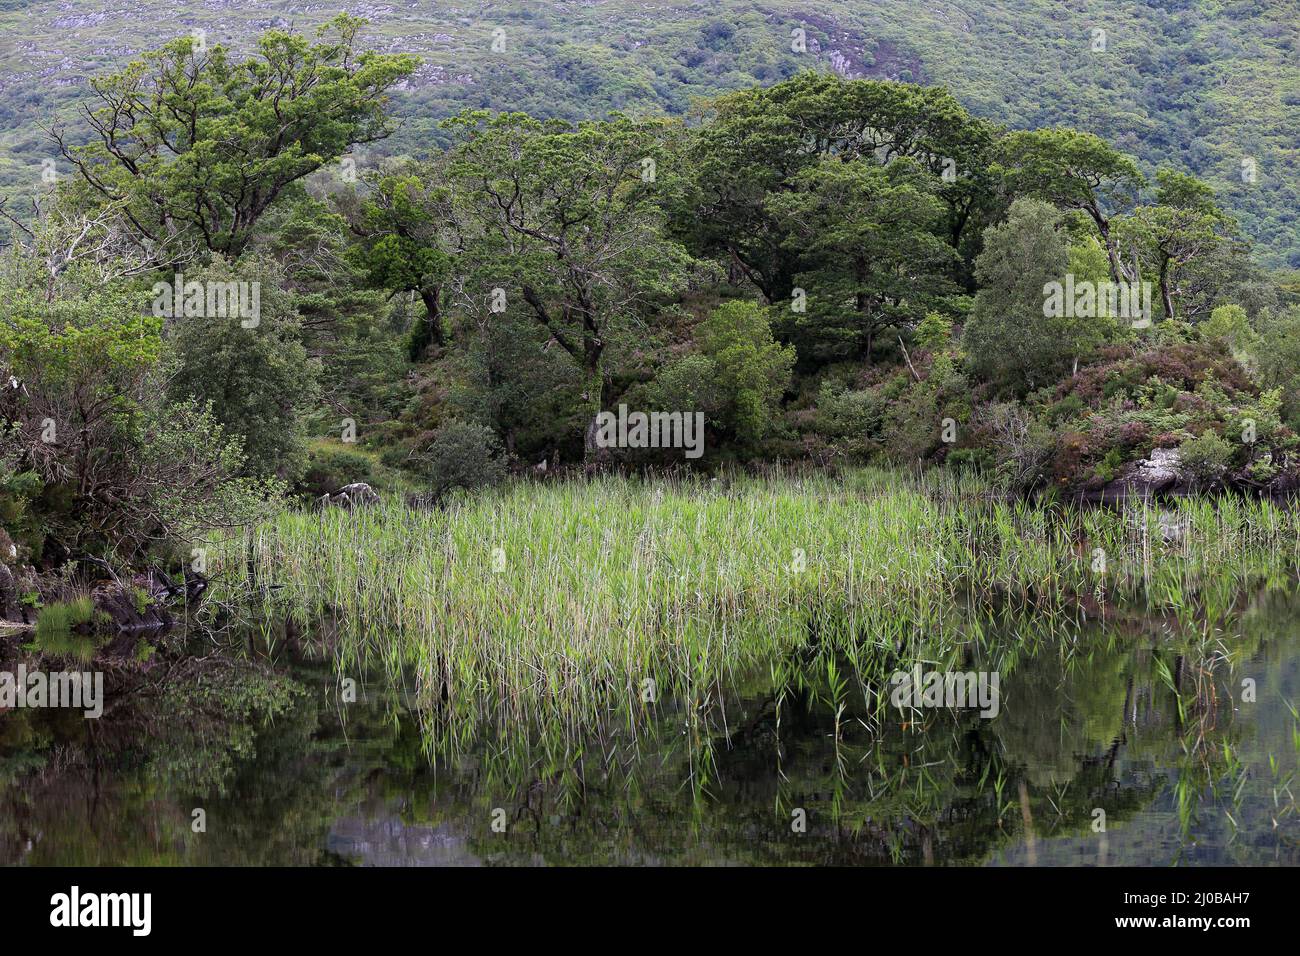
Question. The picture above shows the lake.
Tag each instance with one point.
(1124, 741)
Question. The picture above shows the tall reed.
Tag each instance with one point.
(563, 604)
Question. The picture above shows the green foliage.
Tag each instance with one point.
(1279, 360)
(912, 426)
(18, 491)
(463, 455)
(350, 329)
(1008, 339)
(868, 242)
(330, 467)
(512, 378)
(254, 372)
(851, 418)
(97, 345)
(1206, 457)
(192, 146)
(689, 384)
(97, 460)
(934, 332)
(1072, 169)
(762, 145)
(1228, 324)
(753, 371)
(1174, 238)
(1199, 87)
(193, 474)
(565, 227)
(409, 244)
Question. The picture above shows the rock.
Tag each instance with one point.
(358, 494)
(131, 609)
(1286, 483)
(1160, 470)
(1147, 476)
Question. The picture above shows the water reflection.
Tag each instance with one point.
(1130, 743)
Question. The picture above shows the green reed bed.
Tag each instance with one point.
(555, 603)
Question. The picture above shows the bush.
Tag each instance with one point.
(126, 472)
(753, 370)
(934, 332)
(260, 381)
(849, 417)
(1228, 324)
(912, 426)
(1206, 457)
(1021, 443)
(463, 455)
(18, 490)
(329, 468)
(689, 384)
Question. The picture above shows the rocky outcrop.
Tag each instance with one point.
(1161, 473)
(149, 601)
(131, 609)
(357, 494)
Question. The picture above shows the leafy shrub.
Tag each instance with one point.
(1109, 465)
(1228, 324)
(912, 426)
(18, 490)
(1206, 457)
(850, 417)
(1262, 470)
(689, 384)
(1279, 363)
(753, 370)
(463, 455)
(934, 332)
(973, 459)
(259, 380)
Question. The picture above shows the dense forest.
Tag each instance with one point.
(220, 303)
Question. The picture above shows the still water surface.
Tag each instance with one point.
(1119, 744)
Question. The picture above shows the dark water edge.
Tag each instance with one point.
(1136, 722)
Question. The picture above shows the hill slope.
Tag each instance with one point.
(1211, 87)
